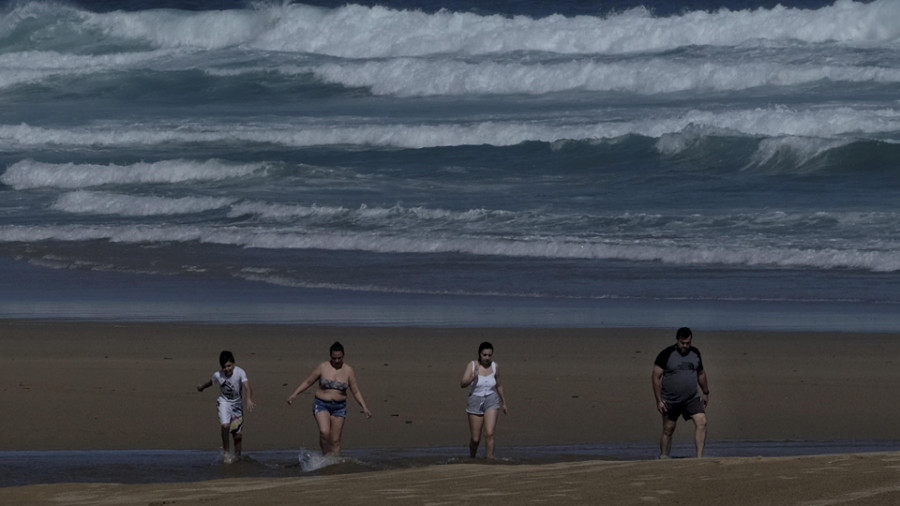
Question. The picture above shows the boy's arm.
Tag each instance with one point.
(248, 395)
(203, 386)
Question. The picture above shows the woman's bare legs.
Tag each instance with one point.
(490, 423)
(323, 420)
(476, 422)
(486, 423)
(337, 427)
(330, 429)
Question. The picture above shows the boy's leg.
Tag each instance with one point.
(238, 439)
(224, 409)
(226, 447)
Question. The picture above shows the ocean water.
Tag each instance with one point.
(21, 468)
(716, 164)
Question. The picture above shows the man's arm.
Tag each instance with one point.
(704, 386)
(656, 380)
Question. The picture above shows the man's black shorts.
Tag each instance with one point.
(685, 409)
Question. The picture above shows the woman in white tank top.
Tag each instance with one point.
(485, 399)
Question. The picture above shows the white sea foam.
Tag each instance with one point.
(404, 77)
(289, 212)
(714, 251)
(414, 77)
(798, 150)
(34, 67)
(762, 122)
(367, 32)
(91, 202)
(27, 174)
(415, 53)
(313, 461)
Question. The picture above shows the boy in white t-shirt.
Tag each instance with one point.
(232, 381)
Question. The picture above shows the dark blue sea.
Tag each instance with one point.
(717, 164)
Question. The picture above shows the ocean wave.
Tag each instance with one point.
(369, 32)
(27, 174)
(31, 67)
(408, 53)
(357, 31)
(411, 77)
(850, 122)
(695, 253)
(104, 203)
(364, 214)
(275, 219)
(449, 76)
(793, 153)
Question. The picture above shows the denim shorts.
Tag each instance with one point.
(334, 408)
(478, 405)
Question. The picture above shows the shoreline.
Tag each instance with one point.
(121, 386)
(131, 385)
(818, 480)
(162, 467)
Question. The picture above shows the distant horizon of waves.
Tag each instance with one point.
(721, 152)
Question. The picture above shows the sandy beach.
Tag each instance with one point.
(870, 479)
(103, 386)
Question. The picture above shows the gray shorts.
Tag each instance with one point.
(478, 405)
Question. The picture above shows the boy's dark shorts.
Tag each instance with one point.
(685, 409)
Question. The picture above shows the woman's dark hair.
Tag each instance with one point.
(485, 346)
(225, 357)
(336, 347)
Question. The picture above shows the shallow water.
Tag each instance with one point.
(19, 468)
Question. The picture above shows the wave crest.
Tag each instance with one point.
(27, 174)
(356, 31)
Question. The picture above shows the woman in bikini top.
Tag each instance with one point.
(332, 390)
(327, 384)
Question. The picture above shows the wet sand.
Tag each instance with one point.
(100, 386)
(870, 479)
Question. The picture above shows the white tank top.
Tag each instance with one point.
(484, 385)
